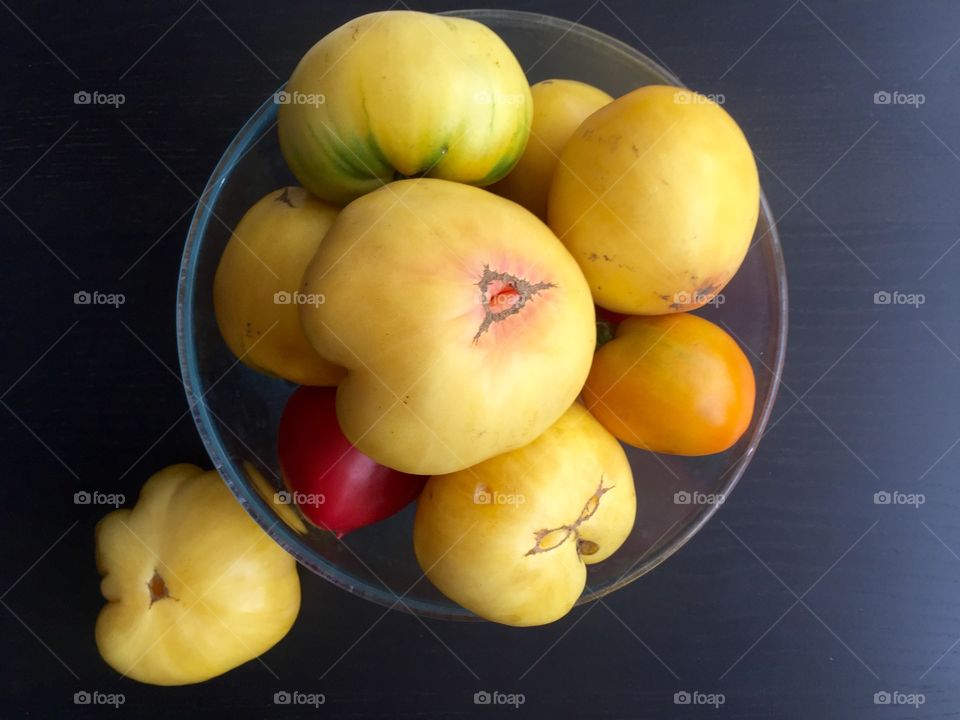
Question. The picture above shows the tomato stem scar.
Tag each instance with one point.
(158, 588)
(503, 295)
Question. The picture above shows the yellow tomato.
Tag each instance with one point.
(559, 106)
(657, 197)
(256, 288)
(194, 586)
(465, 326)
(672, 384)
(402, 93)
(510, 538)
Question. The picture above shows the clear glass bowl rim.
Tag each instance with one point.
(237, 481)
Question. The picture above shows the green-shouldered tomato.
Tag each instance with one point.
(401, 93)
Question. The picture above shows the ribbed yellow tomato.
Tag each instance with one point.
(657, 197)
(194, 586)
(402, 93)
(673, 384)
(559, 106)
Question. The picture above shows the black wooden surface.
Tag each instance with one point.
(801, 599)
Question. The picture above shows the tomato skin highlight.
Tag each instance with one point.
(336, 486)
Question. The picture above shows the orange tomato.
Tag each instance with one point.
(673, 384)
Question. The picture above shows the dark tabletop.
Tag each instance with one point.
(801, 598)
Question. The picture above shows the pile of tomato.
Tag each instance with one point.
(436, 283)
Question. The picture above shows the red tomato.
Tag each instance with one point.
(335, 485)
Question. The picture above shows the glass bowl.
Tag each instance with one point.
(237, 410)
